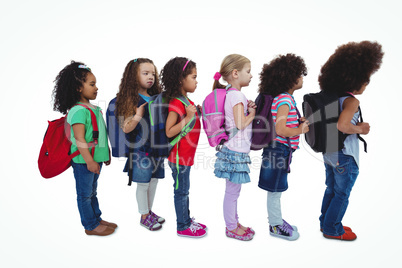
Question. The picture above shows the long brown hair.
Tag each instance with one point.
(128, 97)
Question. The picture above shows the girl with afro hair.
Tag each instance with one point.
(75, 87)
(280, 79)
(347, 72)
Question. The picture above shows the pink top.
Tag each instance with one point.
(241, 142)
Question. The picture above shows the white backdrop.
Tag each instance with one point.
(39, 218)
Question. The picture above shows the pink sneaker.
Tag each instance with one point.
(194, 231)
(202, 226)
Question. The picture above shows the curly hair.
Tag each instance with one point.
(68, 82)
(128, 97)
(230, 62)
(281, 74)
(173, 73)
(350, 67)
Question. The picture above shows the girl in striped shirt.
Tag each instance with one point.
(281, 78)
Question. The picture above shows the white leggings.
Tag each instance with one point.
(145, 195)
(274, 208)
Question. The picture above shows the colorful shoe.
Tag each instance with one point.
(202, 226)
(158, 218)
(347, 236)
(150, 223)
(347, 229)
(284, 231)
(248, 230)
(244, 237)
(294, 228)
(194, 231)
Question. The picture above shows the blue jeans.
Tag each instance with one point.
(86, 183)
(339, 180)
(181, 198)
(274, 168)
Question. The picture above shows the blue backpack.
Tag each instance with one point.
(119, 141)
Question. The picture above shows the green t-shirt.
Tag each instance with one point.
(80, 115)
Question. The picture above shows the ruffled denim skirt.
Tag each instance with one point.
(232, 165)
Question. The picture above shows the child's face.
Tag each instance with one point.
(89, 89)
(146, 75)
(299, 83)
(362, 89)
(245, 75)
(189, 84)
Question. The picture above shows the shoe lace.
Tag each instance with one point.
(194, 227)
(286, 228)
(193, 222)
(285, 223)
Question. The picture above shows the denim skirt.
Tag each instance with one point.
(274, 168)
(232, 165)
(145, 167)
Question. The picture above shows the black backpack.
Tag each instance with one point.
(322, 110)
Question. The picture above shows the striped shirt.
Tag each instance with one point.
(292, 120)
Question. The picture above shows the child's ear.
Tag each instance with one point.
(235, 73)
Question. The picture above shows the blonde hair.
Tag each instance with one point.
(230, 62)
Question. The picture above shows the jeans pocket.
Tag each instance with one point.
(343, 168)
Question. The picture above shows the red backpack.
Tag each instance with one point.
(54, 156)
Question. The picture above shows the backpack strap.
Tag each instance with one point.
(358, 135)
(95, 132)
(289, 144)
(361, 121)
(186, 129)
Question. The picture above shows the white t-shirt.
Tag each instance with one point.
(241, 142)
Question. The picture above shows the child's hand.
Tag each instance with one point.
(303, 127)
(93, 167)
(141, 110)
(191, 110)
(365, 127)
(199, 108)
(251, 104)
(107, 162)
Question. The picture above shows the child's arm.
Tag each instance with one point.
(131, 123)
(172, 129)
(242, 121)
(350, 106)
(79, 134)
(280, 125)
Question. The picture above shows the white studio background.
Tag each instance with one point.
(39, 218)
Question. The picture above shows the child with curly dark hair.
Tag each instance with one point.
(280, 79)
(346, 73)
(76, 84)
(179, 77)
(139, 82)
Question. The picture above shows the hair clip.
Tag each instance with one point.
(84, 67)
(185, 65)
(135, 60)
(217, 76)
